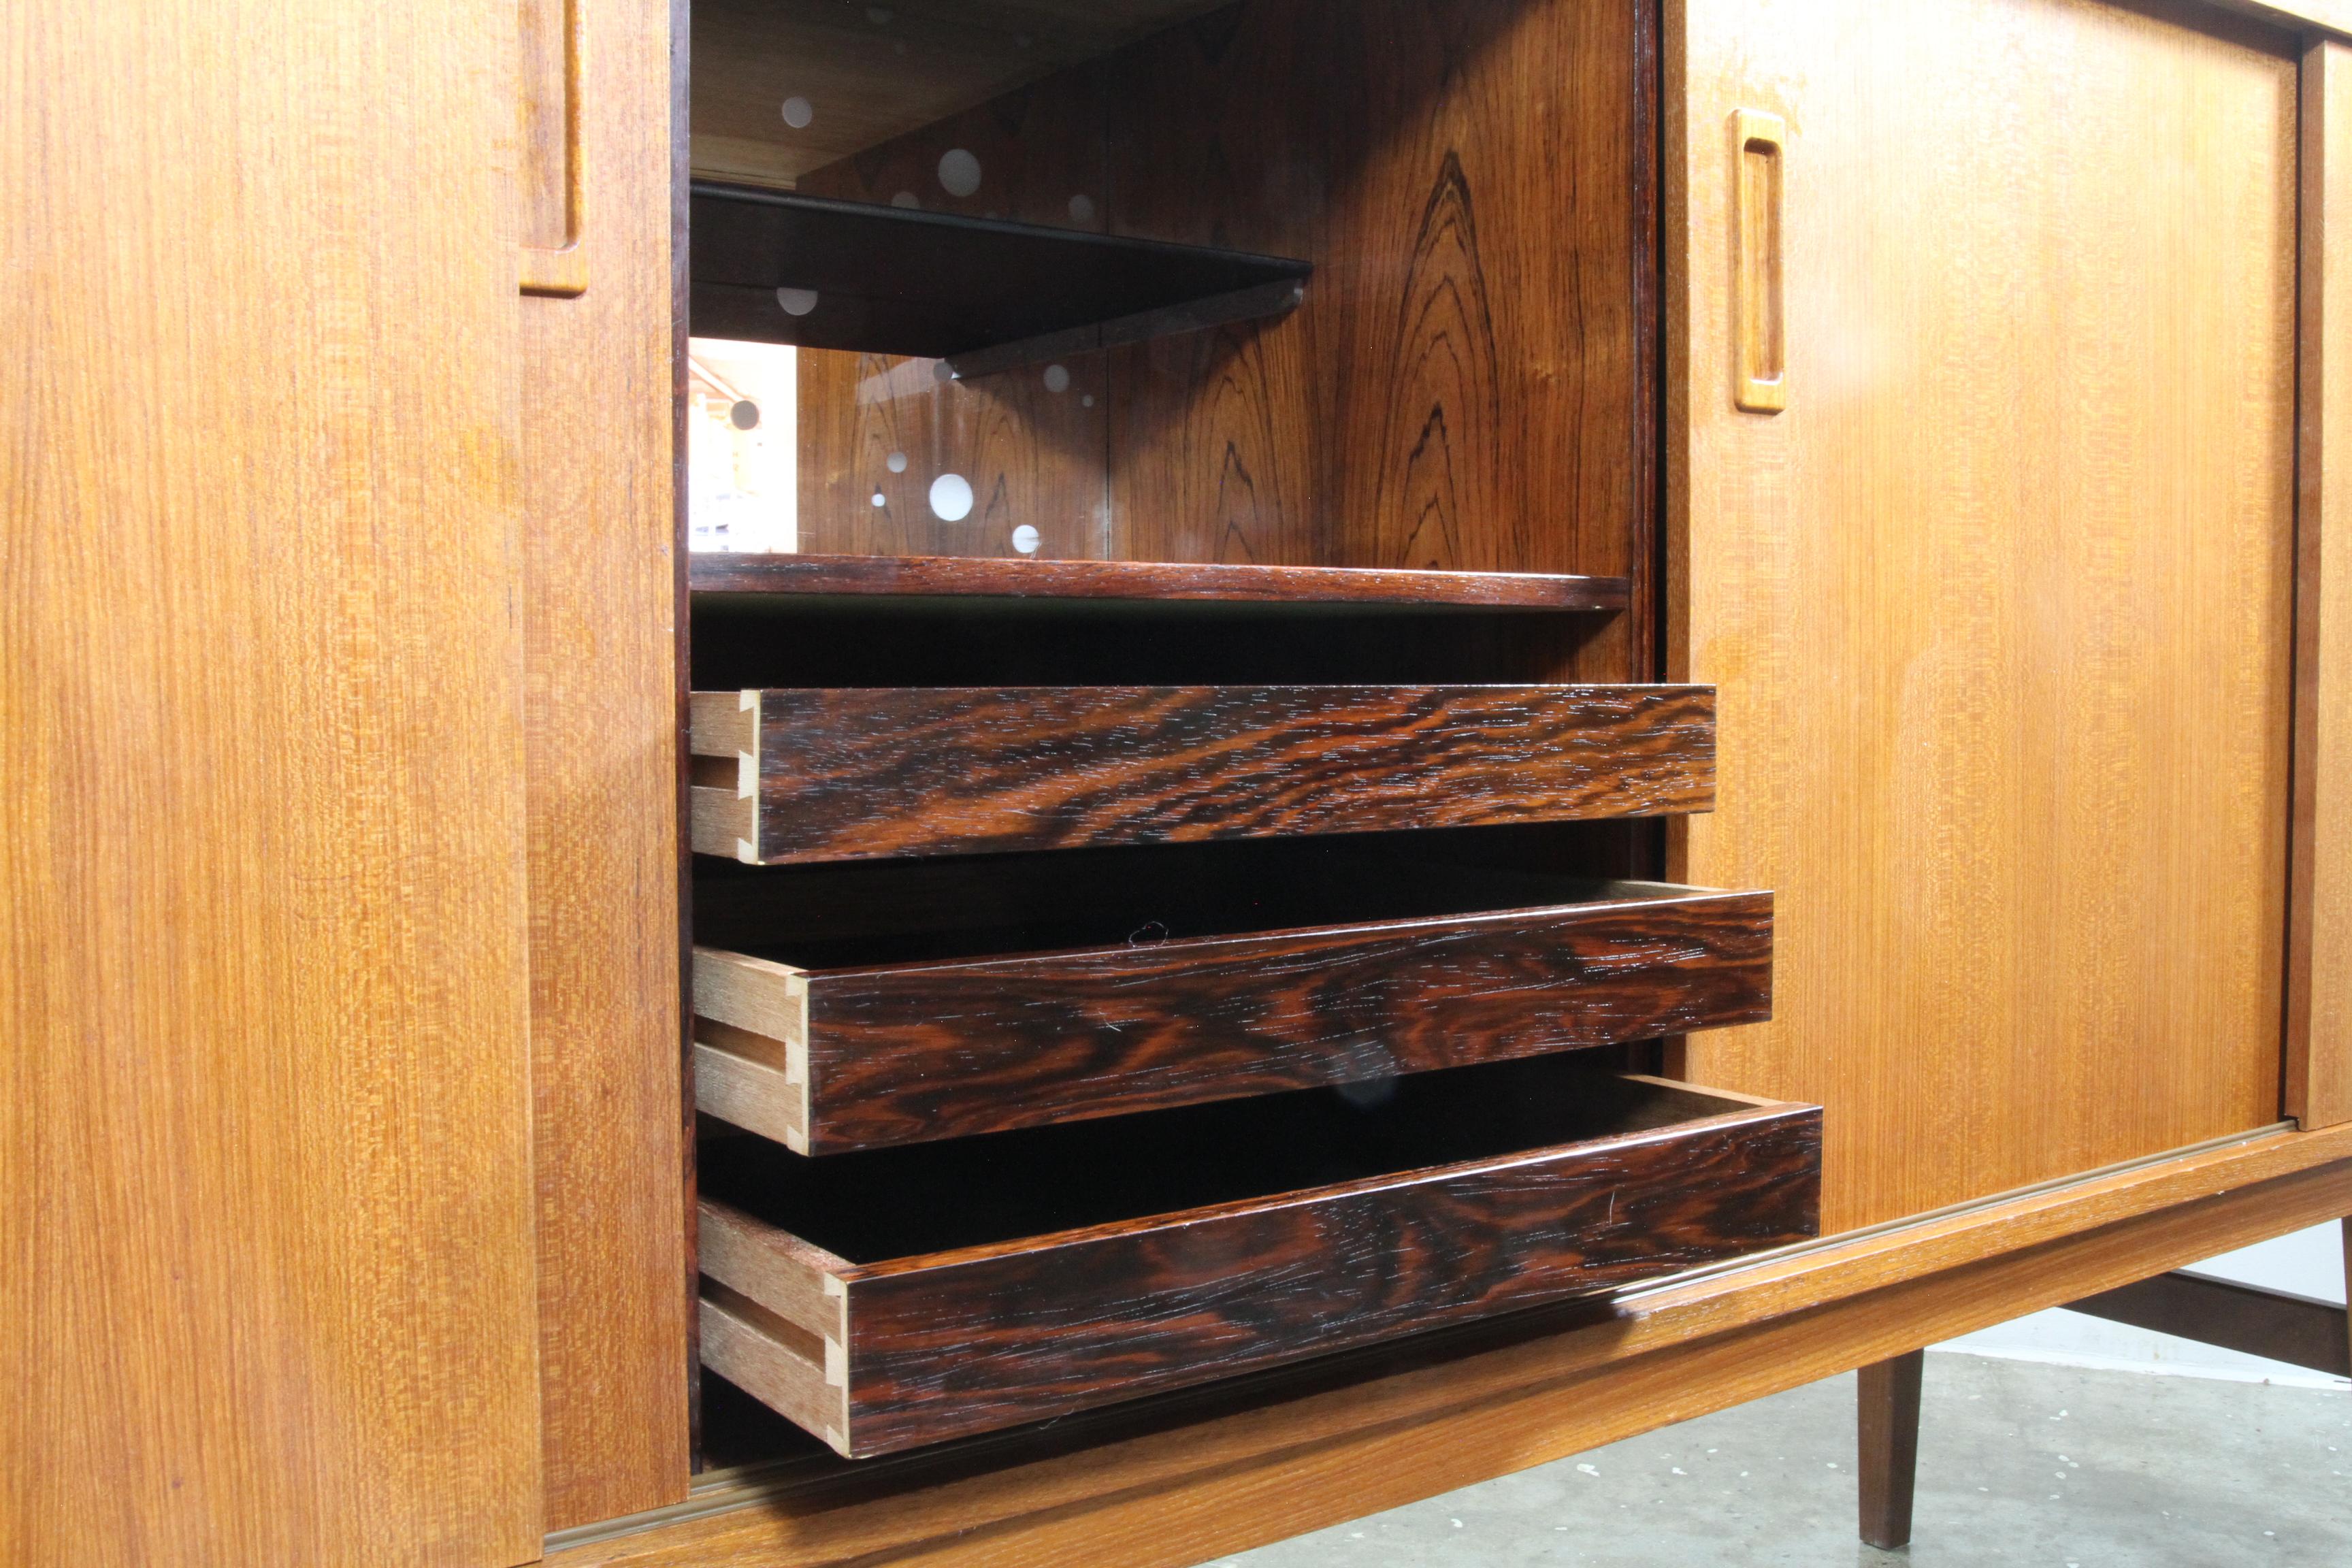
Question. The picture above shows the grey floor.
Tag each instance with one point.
(2019, 1463)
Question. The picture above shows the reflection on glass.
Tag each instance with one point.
(743, 446)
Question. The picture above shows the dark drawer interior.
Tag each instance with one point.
(872, 1206)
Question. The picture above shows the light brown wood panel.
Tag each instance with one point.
(600, 571)
(1193, 1484)
(2319, 965)
(265, 1254)
(2000, 606)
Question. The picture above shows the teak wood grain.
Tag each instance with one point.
(266, 1282)
(870, 772)
(988, 577)
(600, 569)
(2001, 606)
(2319, 959)
(835, 1060)
(914, 1349)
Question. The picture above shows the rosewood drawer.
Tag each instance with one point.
(896, 1297)
(852, 1055)
(793, 775)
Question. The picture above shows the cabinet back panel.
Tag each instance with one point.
(1467, 385)
(1999, 608)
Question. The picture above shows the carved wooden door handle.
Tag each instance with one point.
(561, 270)
(1760, 336)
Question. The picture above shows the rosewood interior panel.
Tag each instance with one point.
(1467, 383)
(870, 73)
(851, 773)
(987, 1326)
(854, 1058)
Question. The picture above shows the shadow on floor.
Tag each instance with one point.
(2019, 1464)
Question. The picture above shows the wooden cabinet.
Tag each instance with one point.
(1211, 899)
(1014, 827)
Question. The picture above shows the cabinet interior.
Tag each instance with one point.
(1463, 385)
(742, 640)
(886, 1204)
(1275, 284)
(911, 911)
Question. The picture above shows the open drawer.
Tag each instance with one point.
(886, 1300)
(828, 1044)
(793, 775)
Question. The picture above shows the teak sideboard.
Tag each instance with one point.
(1628, 701)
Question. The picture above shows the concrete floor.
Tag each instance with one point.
(2019, 1464)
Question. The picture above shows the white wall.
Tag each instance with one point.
(2307, 1263)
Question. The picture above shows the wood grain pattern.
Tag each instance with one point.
(1035, 455)
(2030, 518)
(750, 1032)
(983, 1337)
(2319, 952)
(1191, 1477)
(1213, 453)
(1467, 385)
(862, 773)
(1160, 582)
(600, 567)
(867, 78)
(266, 1282)
(907, 1052)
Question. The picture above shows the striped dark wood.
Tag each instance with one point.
(985, 577)
(854, 774)
(906, 1052)
(1006, 1329)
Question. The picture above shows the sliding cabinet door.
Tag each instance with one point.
(1981, 446)
(266, 1282)
(600, 569)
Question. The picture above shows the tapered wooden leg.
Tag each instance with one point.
(1888, 1428)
